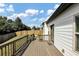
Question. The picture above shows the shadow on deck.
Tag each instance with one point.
(41, 48)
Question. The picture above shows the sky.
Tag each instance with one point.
(31, 14)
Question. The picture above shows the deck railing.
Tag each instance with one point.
(15, 46)
(43, 37)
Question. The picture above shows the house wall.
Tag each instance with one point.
(64, 37)
(45, 32)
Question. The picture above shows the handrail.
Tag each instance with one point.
(14, 46)
(43, 37)
(12, 40)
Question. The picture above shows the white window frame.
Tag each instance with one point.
(75, 33)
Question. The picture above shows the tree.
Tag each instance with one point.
(18, 23)
(9, 21)
(34, 28)
(18, 20)
(38, 28)
(28, 28)
(2, 23)
(7, 25)
(0, 17)
(5, 18)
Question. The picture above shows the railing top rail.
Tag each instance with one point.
(44, 35)
(12, 40)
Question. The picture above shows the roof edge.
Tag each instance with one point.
(59, 10)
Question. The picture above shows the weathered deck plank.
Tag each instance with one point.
(38, 48)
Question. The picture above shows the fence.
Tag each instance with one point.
(29, 32)
(15, 46)
(6, 37)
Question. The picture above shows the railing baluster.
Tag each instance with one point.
(14, 48)
(1, 51)
(11, 49)
(5, 51)
(8, 49)
(27, 39)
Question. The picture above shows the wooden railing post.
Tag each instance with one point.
(27, 39)
(1, 52)
(5, 51)
(14, 48)
(10, 47)
(8, 50)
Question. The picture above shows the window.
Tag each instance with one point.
(77, 24)
(77, 31)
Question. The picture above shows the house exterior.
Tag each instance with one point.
(63, 26)
(45, 31)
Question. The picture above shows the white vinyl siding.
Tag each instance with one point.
(63, 34)
(64, 31)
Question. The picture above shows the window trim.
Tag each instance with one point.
(75, 33)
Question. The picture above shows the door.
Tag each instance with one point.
(52, 33)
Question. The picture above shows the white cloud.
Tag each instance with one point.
(17, 15)
(42, 11)
(12, 16)
(31, 12)
(28, 12)
(50, 11)
(56, 6)
(10, 8)
(21, 15)
(2, 5)
(2, 10)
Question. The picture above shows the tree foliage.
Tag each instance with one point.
(35, 28)
(7, 25)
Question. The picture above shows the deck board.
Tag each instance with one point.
(41, 48)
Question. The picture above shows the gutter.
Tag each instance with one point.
(58, 11)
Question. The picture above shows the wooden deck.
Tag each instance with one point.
(41, 48)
